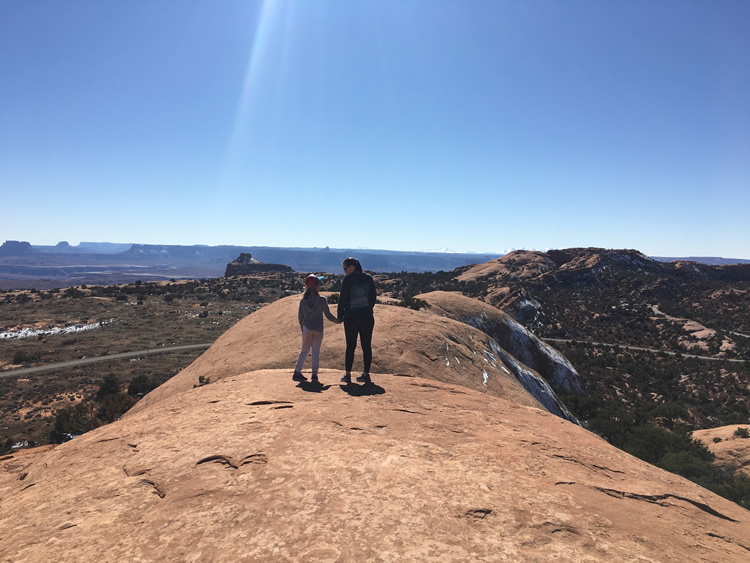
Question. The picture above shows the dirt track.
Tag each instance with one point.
(74, 363)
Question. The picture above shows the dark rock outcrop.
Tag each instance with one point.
(245, 264)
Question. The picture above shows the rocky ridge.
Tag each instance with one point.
(253, 468)
(406, 342)
(533, 362)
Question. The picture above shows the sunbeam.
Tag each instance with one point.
(243, 132)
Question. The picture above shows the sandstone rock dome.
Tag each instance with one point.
(253, 467)
(406, 342)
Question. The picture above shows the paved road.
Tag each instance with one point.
(74, 363)
(654, 350)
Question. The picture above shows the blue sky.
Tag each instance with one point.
(465, 125)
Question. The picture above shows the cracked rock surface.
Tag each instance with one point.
(255, 467)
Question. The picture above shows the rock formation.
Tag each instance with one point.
(255, 468)
(446, 457)
(509, 334)
(16, 248)
(405, 342)
(729, 448)
(245, 264)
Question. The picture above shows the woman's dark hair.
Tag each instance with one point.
(353, 262)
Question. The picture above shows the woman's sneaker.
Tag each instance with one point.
(347, 379)
(314, 378)
(298, 376)
(364, 378)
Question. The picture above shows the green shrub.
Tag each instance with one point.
(140, 385)
(742, 432)
(72, 421)
(110, 385)
(413, 303)
(6, 446)
(202, 380)
(22, 357)
(113, 406)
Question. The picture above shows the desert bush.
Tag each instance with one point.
(735, 487)
(22, 356)
(413, 303)
(113, 406)
(74, 293)
(110, 385)
(6, 445)
(72, 421)
(742, 433)
(202, 380)
(140, 385)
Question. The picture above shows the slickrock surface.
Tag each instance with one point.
(518, 263)
(731, 450)
(511, 335)
(404, 342)
(254, 468)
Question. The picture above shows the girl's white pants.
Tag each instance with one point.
(311, 341)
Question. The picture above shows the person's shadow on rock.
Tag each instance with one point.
(313, 387)
(362, 390)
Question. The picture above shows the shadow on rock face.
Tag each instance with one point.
(362, 390)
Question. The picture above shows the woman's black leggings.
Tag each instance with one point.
(361, 326)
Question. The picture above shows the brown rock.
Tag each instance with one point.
(512, 336)
(245, 265)
(254, 468)
(521, 264)
(729, 449)
(405, 342)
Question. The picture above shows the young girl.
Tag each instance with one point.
(312, 307)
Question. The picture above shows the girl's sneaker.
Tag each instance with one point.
(298, 376)
(314, 378)
(347, 379)
(364, 378)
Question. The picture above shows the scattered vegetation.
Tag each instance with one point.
(109, 404)
(643, 402)
(133, 317)
(202, 380)
(413, 303)
(646, 403)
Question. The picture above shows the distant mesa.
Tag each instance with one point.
(245, 264)
(16, 248)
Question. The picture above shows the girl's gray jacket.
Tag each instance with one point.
(311, 313)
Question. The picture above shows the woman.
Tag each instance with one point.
(356, 302)
(312, 307)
